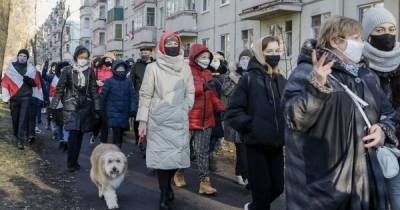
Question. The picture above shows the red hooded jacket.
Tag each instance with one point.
(102, 73)
(206, 103)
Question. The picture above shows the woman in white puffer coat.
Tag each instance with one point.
(166, 97)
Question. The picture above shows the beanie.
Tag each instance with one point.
(374, 17)
(246, 52)
(23, 51)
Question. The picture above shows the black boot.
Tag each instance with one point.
(164, 199)
(171, 195)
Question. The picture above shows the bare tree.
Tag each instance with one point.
(5, 7)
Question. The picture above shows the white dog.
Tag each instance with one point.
(109, 166)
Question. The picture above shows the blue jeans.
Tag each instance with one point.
(59, 132)
(393, 185)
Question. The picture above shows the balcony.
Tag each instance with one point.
(115, 14)
(183, 22)
(261, 9)
(99, 24)
(138, 3)
(145, 37)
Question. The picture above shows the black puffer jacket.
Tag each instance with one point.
(80, 103)
(255, 109)
(137, 73)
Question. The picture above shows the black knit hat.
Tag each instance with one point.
(79, 50)
(23, 51)
(246, 52)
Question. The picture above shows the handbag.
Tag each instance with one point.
(387, 156)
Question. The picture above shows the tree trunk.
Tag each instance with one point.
(5, 7)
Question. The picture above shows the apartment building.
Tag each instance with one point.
(114, 29)
(294, 21)
(85, 23)
(98, 27)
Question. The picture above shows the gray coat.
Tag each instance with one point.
(166, 97)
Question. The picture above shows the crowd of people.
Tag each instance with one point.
(318, 135)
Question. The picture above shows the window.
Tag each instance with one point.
(205, 41)
(86, 23)
(102, 38)
(138, 18)
(133, 26)
(87, 43)
(118, 31)
(316, 25)
(247, 38)
(186, 50)
(67, 48)
(174, 6)
(117, 3)
(317, 21)
(205, 5)
(86, 3)
(363, 9)
(126, 31)
(288, 38)
(161, 18)
(150, 16)
(102, 12)
(67, 30)
(225, 43)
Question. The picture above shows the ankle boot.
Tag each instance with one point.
(164, 199)
(206, 188)
(179, 179)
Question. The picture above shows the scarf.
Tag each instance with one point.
(382, 61)
(81, 76)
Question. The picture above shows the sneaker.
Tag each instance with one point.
(92, 139)
(240, 181)
(247, 206)
(37, 130)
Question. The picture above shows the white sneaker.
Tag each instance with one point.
(239, 180)
(92, 139)
(246, 206)
(37, 130)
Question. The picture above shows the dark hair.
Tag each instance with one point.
(80, 50)
(269, 39)
(96, 60)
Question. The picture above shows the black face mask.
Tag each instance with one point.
(272, 60)
(108, 63)
(120, 74)
(172, 51)
(385, 42)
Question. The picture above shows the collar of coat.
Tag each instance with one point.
(170, 63)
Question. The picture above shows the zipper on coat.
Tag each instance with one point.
(274, 104)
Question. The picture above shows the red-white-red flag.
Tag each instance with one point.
(12, 81)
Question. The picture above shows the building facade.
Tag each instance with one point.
(99, 26)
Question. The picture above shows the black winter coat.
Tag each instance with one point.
(255, 109)
(137, 73)
(327, 166)
(80, 103)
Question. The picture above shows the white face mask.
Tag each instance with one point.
(203, 63)
(244, 64)
(215, 64)
(354, 50)
(82, 62)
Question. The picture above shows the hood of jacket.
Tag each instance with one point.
(166, 62)
(115, 65)
(195, 51)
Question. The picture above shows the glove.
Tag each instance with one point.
(142, 131)
(29, 81)
(209, 85)
(132, 114)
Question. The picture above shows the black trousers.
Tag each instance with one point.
(165, 177)
(102, 128)
(241, 160)
(20, 117)
(266, 179)
(33, 112)
(74, 147)
(118, 134)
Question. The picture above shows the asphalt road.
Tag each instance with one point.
(140, 188)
